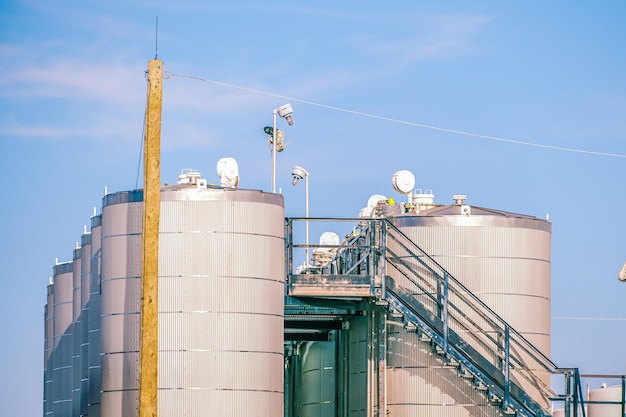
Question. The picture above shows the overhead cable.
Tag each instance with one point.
(168, 74)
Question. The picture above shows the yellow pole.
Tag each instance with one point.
(149, 344)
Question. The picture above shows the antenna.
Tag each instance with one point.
(156, 39)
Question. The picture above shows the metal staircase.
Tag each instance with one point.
(378, 265)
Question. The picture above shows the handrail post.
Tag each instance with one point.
(445, 313)
(576, 386)
(383, 258)
(507, 363)
(568, 393)
(371, 262)
(288, 252)
(623, 395)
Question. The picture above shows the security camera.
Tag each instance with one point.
(285, 111)
(298, 173)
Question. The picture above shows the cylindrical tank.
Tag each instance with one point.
(76, 332)
(48, 349)
(318, 396)
(418, 384)
(83, 332)
(93, 319)
(61, 357)
(221, 289)
(607, 394)
(504, 259)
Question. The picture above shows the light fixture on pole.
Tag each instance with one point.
(297, 174)
(285, 111)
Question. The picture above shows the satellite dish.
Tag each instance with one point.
(228, 171)
(371, 204)
(403, 181)
(329, 238)
(373, 200)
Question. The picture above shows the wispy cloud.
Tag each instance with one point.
(69, 78)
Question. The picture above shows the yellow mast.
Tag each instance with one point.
(149, 344)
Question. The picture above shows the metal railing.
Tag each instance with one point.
(386, 264)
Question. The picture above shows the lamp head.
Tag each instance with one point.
(285, 111)
(297, 174)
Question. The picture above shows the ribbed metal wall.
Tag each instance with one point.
(82, 331)
(120, 295)
(93, 320)
(609, 394)
(61, 357)
(503, 259)
(318, 397)
(361, 367)
(48, 349)
(221, 303)
(418, 383)
(221, 286)
(77, 331)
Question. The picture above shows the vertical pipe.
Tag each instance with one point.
(306, 214)
(274, 136)
(149, 343)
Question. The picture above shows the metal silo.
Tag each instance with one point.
(120, 295)
(76, 332)
(61, 356)
(501, 257)
(93, 319)
(221, 289)
(418, 383)
(83, 330)
(318, 381)
(48, 349)
(612, 399)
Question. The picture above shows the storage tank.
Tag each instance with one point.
(611, 395)
(221, 289)
(93, 319)
(83, 330)
(77, 332)
(418, 383)
(48, 349)
(318, 397)
(501, 257)
(61, 357)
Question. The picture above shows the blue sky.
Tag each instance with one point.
(375, 89)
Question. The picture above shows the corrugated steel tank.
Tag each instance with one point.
(61, 357)
(418, 383)
(221, 305)
(77, 320)
(611, 395)
(93, 319)
(504, 259)
(83, 330)
(48, 350)
(318, 396)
